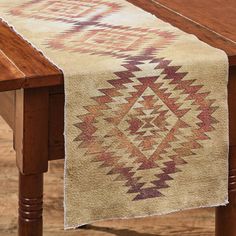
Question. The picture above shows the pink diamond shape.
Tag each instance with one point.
(111, 40)
(67, 11)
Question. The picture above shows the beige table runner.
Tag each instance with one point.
(146, 108)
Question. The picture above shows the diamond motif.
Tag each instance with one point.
(111, 40)
(70, 11)
(148, 122)
(139, 128)
(88, 34)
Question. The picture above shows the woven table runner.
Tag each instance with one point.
(146, 119)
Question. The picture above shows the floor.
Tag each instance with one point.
(193, 223)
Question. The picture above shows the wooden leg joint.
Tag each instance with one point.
(31, 209)
(232, 182)
(30, 205)
(31, 132)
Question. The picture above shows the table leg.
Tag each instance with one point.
(226, 216)
(30, 205)
(31, 145)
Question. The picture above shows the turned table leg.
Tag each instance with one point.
(226, 216)
(31, 145)
(30, 205)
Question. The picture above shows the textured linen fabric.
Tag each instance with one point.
(146, 108)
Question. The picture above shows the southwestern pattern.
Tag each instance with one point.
(88, 35)
(118, 41)
(146, 119)
(70, 11)
(145, 122)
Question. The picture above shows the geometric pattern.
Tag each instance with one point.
(140, 108)
(146, 120)
(70, 11)
(88, 34)
(144, 124)
(116, 41)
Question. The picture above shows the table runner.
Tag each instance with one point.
(146, 119)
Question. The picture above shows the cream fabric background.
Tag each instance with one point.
(91, 194)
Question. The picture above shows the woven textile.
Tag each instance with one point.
(146, 108)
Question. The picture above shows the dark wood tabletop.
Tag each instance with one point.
(21, 65)
(212, 21)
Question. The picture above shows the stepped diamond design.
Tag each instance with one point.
(70, 11)
(148, 122)
(112, 40)
(147, 125)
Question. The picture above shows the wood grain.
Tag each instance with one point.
(31, 130)
(187, 223)
(25, 67)
(7, 110)
(10, 74)
(216, 17)
(203, 32)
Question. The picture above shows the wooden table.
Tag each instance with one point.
(32, 101)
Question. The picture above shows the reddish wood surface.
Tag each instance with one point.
(231, 104)
(197, 18)
(21, 65)
(10, 74)
(31, 130)
(7, 109)
(56, 126)
(31, 145)
(215, 15)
